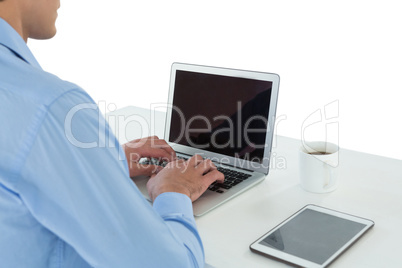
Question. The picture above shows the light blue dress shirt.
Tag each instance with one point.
(66, 199)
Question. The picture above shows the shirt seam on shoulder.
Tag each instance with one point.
(60, 253)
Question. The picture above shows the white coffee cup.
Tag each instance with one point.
(318, 166)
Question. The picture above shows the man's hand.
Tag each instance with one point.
(190, 177)
(147, 147)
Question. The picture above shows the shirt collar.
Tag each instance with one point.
(14, 42)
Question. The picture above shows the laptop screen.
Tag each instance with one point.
(222, 114)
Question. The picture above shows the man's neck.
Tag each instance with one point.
(11, 13)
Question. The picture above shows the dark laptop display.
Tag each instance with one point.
(221, 114)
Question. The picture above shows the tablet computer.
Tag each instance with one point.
(312, 237)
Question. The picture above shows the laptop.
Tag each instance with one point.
(225, 115)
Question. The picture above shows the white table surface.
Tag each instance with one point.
(370, 187)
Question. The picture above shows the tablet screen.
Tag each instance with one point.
(313, 235)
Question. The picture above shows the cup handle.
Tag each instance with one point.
(330, 179)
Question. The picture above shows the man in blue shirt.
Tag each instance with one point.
(67, 205)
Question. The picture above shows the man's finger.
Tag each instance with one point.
(149, 138)
(176, 162)
(205, 166)
(162, 144)
(146, 170)
(155, 153)
(195, 160)
(139, 142)
(213, 175)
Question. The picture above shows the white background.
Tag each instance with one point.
(347, 53)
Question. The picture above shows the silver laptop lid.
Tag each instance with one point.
(224, 114)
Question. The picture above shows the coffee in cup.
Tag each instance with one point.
(318, 166)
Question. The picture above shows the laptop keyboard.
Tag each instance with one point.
(154, 161)
(232, 177)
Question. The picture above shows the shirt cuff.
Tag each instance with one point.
(168, 204)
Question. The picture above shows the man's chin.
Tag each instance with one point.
(44, 35)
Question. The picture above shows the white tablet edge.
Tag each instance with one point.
(291, 259)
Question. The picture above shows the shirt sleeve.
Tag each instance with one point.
(75, 183)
